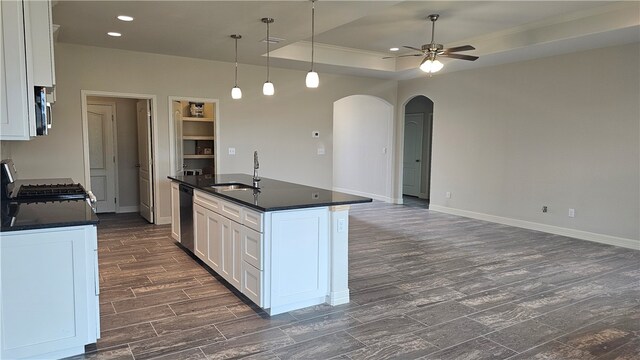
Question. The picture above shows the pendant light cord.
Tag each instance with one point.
(313, 29)
(268, 51)
(236, 61)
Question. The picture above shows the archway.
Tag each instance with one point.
(417, 145)
(362, 146)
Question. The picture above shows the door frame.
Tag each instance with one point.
(154, 137)
(172, 132)
(114, 126)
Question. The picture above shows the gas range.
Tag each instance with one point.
(50, 192)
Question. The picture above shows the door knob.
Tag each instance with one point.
(137, 165)
(417, 160)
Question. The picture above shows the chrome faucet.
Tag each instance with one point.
(256, 166)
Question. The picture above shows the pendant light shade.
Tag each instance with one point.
(312, 79)
(236, 93)
(267, 88)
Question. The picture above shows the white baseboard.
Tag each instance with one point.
(578, 234)
(163, 220)
(365, 194)
(128, 209)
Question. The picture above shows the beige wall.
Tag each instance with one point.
(279, 127)
(127, 139)
(561, 131)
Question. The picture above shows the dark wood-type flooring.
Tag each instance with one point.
(423, 285)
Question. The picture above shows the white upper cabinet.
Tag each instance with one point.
(40, 32)
(26, 61)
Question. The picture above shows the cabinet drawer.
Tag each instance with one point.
(252, 283)
(208, 201)
(252, 219)
(252, 247)
(231, 211)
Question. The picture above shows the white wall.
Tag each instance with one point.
(560, 131)
(362, 128)
(279, 127)
(127, 139)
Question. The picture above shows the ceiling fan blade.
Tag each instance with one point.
(412, 48)
(461, 57)
(399, 56)
(459, 48)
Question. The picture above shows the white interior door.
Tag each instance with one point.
(145, 161)
(102, 156)
(412, 164)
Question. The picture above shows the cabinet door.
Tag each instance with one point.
(252, 247)
(233, 255)
(214, 255)
(17, 113)
(299, 256)
(201, 232)
(40, 31)
(45, 292)
(175, 211)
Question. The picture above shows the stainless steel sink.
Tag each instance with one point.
(232, 187)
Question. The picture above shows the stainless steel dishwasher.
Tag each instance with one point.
(186, 217)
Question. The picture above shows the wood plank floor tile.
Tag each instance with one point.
(409, 267)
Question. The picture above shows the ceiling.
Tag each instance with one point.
(351, 36)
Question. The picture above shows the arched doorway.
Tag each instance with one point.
(416, 166)
(362, 146)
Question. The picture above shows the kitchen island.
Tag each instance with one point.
(283, 245)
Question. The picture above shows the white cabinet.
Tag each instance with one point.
(175, 211)
(201, 232)
(50, 288)
(26, 61)
(232, 253)
(215, 234)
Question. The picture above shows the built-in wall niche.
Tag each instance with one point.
(195, 136)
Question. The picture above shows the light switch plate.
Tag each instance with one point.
(232, 151)
(320, 151)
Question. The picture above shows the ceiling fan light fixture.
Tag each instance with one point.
(431, 66)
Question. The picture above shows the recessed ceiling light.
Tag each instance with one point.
(125, 17)
(114, 34)
(394, 49)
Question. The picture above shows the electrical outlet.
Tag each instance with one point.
(320, 151)
(342, 224)
(232, 151)
(572, 212)
(315, 134)
(448, 195)
(544, 208)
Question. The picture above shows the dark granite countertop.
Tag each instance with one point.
(273, 195)
(41, 215)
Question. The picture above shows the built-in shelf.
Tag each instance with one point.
(196, 134)
(199, 156)
(200, 119)
(198, 137)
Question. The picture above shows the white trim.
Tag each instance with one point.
(154, 141)
(578, 234)
(128, 209)
(172, 133)
(163, 220)
(338, 298)
(362, 193)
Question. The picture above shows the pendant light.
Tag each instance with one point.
(236, 93)
(267, 88)
(312, 79)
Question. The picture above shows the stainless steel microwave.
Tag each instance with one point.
(44, 121)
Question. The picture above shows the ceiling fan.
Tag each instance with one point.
(432, 51)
